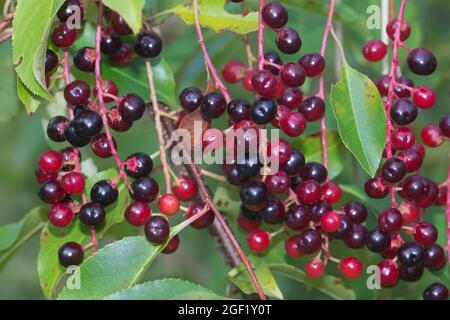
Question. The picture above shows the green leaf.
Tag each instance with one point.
(10, 105)
(14, 235)
(130, 10)
(166, 289)
(329, 285)
(214, 16)
(50, 272)
(28, 99)
(133, 78)
(359, 111)
(239, 277)
(29, 47)
(118, 266)
(311, 147)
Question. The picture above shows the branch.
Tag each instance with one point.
(260, 37)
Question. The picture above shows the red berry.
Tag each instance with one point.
(138, 213)
(410, 211)
(442, 196)
(258, 240)
(63, 36)
(168, 204)
(293, 124)
(233, 71)
(308, 192)
(350, 267)
(403, 138)
(374, 50)
(109, 87)
(60, 215)
(432, 135)
(390, 220)
(43, 177)
(330, 221)
(247, 80)
(314, 268)
(331, 192)
(50, 161)
(424, 97)
(264, 82)
(279, 149)
(277, 183)
(202, 222)
(73, 183)
(100, 146)
(185, 189)
(291, 98)
(425, 233)
(248, 224)
(291, 247)
(293, 75)
(389, 273)
(313, 64)
(172, 245)
(394, 24)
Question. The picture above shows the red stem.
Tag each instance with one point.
(98, 85)
(321, 93)
(260, 37)
(394, 67)
(208, 61)
(448, 210)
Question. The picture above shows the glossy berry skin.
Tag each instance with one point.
(157, 229)
(273, 212)
(314, 171)
(204, 221)
(298, 217)
(213, 106)
(274, 15)
(50, 161)
(434, 256)
(314, 268)
(390, 220)
(291, 247)
(51, 192)
(186, 189)
(432, 136)
(389, 274)
(431, 196)
(84, 59)
(393, 170)
(394, 24)
(65, 12)
(264, 82)
(51, 61)
(258, 240)
(436, 291)
(145, 189)
(110, 42)
(403, 112)
(43, 177)
(100, 146)
(138, 213)
(88, 124)
(293, 124)
(131, 107)
(312, 108)
(247, 224)
(330, 221)
(73, 183)
(350, 267)
(249, 168)
(288, 41)
(238, 110)
(168, 204)
(293, 75)
(291, 98)
(444, 125)
(357, 238)
(172, 245)
(56, 127)
(374, 50)
(124, 56)
(108, 87)
(424, 97)
(410, 254)
(277, 183)
(92, 214)
(60, 215)
(421, 61)
(70, 254)
(410, 211)
(279, 149)
(77, 92)
(254, 194)
(318, 209)
(403, 92)
(356, 211)
(412, 159)
(344, 229)
(415, 187)
(274, 58)
(376, 188)
(104, 193)
(309, 241)
(378, 240)
(308, 191)
(403, 138)
(191, 99)
(232, 175)
(382, 85)
(425, 233)
(62, 36)
(69, 155)
(138, 165)
(295, 163)
(263, 111)
(411, 274)
(312, 63)
(119, 24)
(148, 44)
(233, 71)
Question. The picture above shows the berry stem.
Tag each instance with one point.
(158, 125)
(321, 93)
(448, 209)
(247, 46)
(384, 35)
(260, 36)
(206, 56)
(388, 105)
(98, 85)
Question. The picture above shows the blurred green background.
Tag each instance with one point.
(22, 138)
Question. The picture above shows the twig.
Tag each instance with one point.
(260, 36)
(448, 209)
